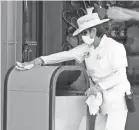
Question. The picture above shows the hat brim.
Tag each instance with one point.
(79, 30)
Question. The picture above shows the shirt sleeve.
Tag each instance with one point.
(119, 63)
(73, 54)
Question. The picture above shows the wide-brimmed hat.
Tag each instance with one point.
(87, 21)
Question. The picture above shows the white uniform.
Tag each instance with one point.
(107, 67)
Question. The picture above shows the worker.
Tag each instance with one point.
(106, 64)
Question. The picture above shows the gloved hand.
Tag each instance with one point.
(20, 66)
(92, 91)
(28, 65)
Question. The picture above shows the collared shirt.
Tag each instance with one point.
(106, 64)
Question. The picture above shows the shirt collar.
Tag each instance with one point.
(102, 41)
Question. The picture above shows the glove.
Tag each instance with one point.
(92, 91)
(20, 66)
(28, 65)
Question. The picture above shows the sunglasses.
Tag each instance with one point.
(86, 32)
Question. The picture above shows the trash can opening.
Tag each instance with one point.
(70, 83)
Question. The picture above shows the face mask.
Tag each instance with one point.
(88, 40)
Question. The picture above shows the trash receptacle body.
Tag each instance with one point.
(31, 103)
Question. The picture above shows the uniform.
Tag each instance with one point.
(106, 64)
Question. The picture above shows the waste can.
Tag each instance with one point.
(46, 98)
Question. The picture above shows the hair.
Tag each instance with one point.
(100, 30)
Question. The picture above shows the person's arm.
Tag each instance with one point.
(76, 53)
(134, 14)
(119, 63)
(59, 57)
